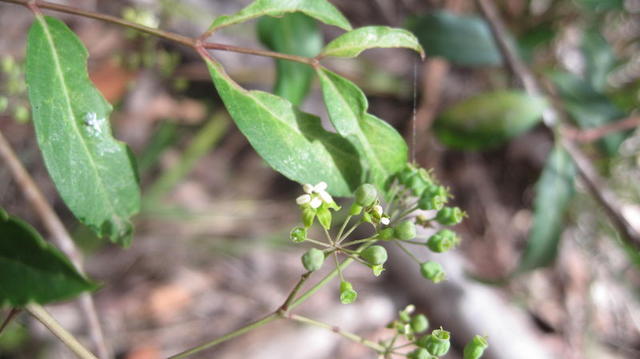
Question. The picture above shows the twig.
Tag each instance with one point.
(596, 186)
(593, 134)
(59, 235)
(294, 292)
(12, 314)
(54, 327)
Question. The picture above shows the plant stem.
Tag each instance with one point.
(344, 225)
(67, 338)
(12, 314)
(408, 252)
(59, 235)
(296, 289)
(216, 46)
(351, 336)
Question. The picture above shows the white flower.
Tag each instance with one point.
(325, 196)
(307, 188)
(305, 198)
(320, 187)
(378, 209)
(315, 202)
(385, 221)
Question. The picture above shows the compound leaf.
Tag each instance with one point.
(93, 172)
(292, 142)
(32, 270)
(295, 34)
(383, 150)
(321, 10)
(488, 120)
(352, 43)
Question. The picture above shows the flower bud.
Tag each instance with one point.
(298, 234)
(347, 294)
(355, 209)
(432, 271)
(450, 216)
(312, 260)
(437, 343)
(374, 255)
(404, 316)
(405, 230)
(419, 353)
(366, 194)
(324, 217)
(419, 323)
(406, 174)
(433, 197)
(475, 348)
(308, 214)
(443, 241)
(377, 270)
(386, 234)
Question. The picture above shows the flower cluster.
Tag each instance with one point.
(316, 202)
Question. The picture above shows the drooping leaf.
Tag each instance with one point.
(295, 34)
(93, 172)
(553, 193)
(383, 150)
(599, 58)
(352, 43)
(321, 10)
(488, 120)
(292, 142)
(589, 108)
(462, 39)
(32, 270)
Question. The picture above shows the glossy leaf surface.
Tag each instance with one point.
(321, 10)
(383, 150)
(32, 270)
(352, 43)
(295, 34)
(93, 172)
(462, 39)
(488, 120)
(292, 142)
(553, 193)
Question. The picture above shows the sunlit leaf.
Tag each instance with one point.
(292, 142)
(295, 34)
(383, 150)
(352, 43)
(32, 270)
(488, 120)
(553, 193)
(462, 39)
(321, 10)
(93, 172)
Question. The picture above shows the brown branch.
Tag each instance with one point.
(59, 235)
(593, 134)
(12, 314)
(552, 118)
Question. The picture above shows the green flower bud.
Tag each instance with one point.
(366, 194)
(298, 234)
(433, 197)
(406, 174)
(386, 234)
(405, 230)
(324, 217)
(366, 218)
(404, 316)
(374, 255)
(437, 343)
(476, 347)
(432, 271)
(419, 323)
(443, 241)
(312, 260)
(355, 209)
(347, 294)
(450, 216)
(419, 353)
(308, 214)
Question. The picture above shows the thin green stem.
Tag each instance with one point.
(406, 212)
(67, 338)
(344, 225)
(346, 235)
(326, 234)
(408, 252)
(351, 336)
(319, 243)
(335, 257)
(358, 241)
(294, 291)
(413, 242)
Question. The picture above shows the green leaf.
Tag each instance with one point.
(32, 270)
(321, 10)
(601, 5)
(488, 120)
(599, 57)
(382, 149)
(589, 108)
(553, 193)
(352, 43)
(462, 39)
(93, 172)
(294, 34)
(292, 142)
